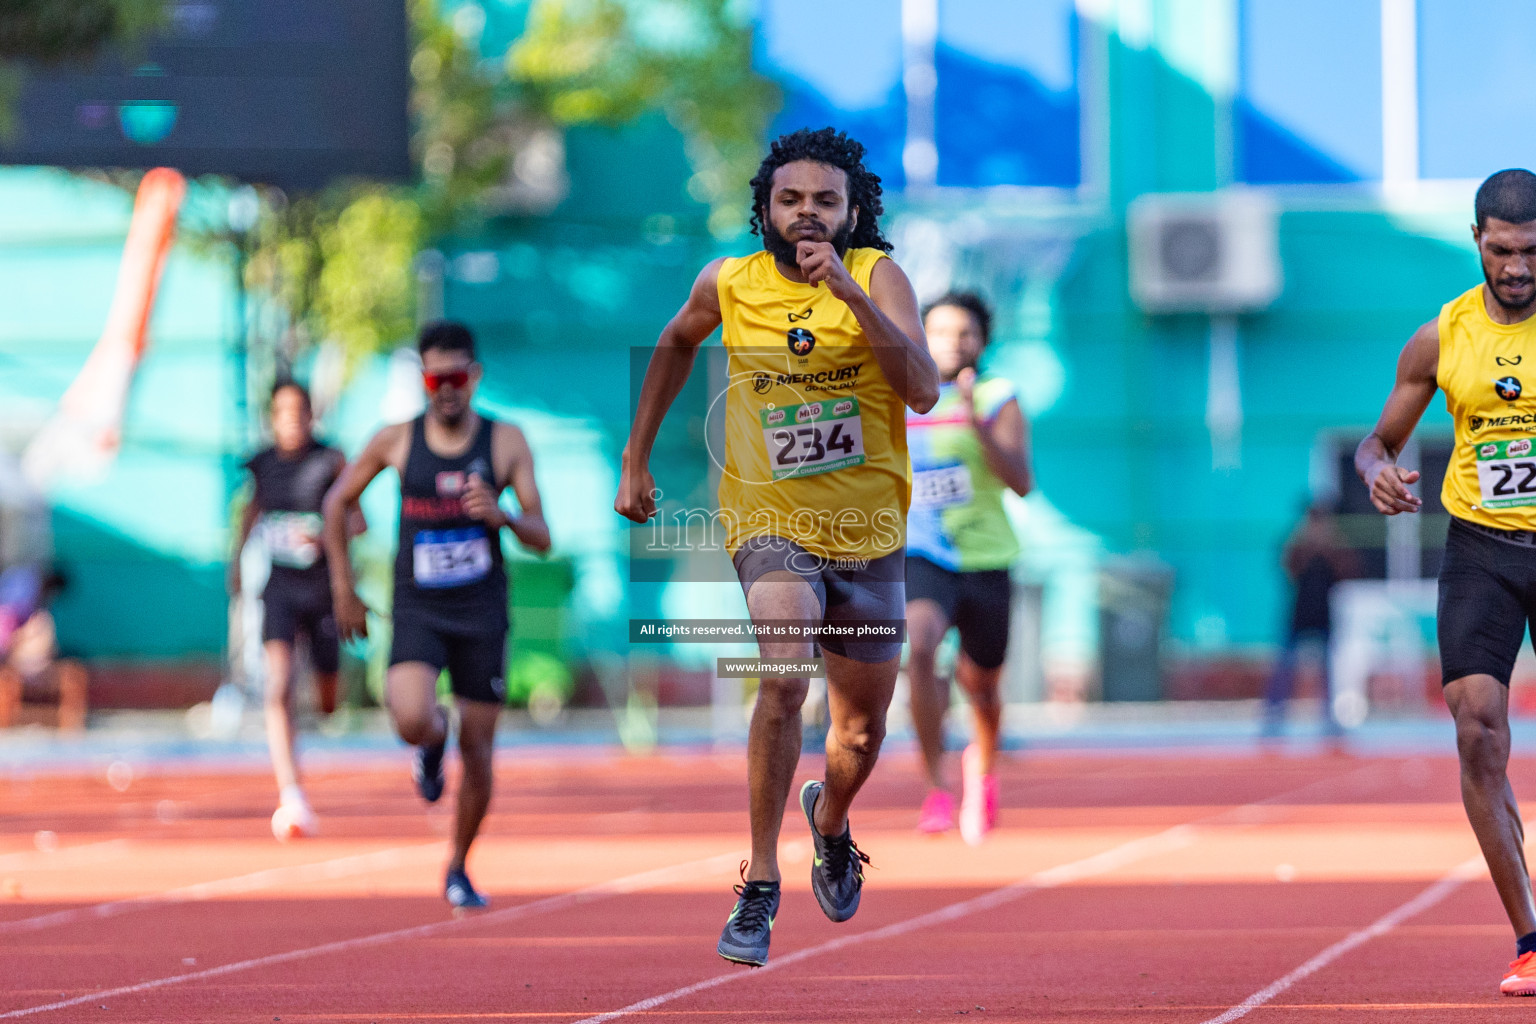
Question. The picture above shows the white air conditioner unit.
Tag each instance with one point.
(1205, 252)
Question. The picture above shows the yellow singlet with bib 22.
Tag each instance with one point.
(1484, 370)
(815, 436)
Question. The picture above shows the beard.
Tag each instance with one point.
(783, 249)
(451, 415)
(1514, 306)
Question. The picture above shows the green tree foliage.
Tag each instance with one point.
(50, 31)
(55, 30)
(609, 61)
(340, 262)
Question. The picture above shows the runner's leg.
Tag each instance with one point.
(477, 741)
(773, 740)
(926, 626)
(411, 694)
(1480, 705)
(858, 696)
(981, 686)
(278, 709)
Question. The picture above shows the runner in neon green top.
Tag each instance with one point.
(966, 451)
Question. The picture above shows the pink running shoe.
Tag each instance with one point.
(978, 798)
(938, 812)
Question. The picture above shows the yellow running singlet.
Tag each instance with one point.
(815, 436)
(1484, 370)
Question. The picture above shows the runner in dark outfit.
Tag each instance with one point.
(450, 604)
(291, 479)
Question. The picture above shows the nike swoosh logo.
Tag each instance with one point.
(818, 862)
(1498, 359)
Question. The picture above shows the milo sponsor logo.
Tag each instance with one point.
(808, 412)
(842, 408)
(1515, 449)
(773, 416)
(1488, 451)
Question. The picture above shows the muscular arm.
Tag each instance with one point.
(664, 378)
(887, 314)
(340, 504)
(1376, 458)
(1005, 445)
(248, 517)
(894, 326)
(516, 468)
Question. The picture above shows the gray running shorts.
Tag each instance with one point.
(849, 591)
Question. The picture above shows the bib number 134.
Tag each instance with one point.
(817, 437)
(1506, 473)
(450, 558)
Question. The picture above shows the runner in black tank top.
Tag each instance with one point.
(291, 479)
(450, 604)
(448, 567)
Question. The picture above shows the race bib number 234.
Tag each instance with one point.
(816, 437)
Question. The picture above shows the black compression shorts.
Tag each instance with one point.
(851, 591)
(1487, 595)
(476, 660)
(977, 603)
(290, 611)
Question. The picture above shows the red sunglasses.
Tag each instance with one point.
(456, 378)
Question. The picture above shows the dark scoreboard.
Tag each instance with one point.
(282, 92)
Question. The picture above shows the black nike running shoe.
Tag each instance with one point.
(461, 894)
(750, 926)
(427, 769)
(837, 871)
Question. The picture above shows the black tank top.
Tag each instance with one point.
(289, 492)
(447, 564)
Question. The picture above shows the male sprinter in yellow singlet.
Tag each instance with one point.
(826, 346)
(1476, 351)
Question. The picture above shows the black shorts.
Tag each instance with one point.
(289, 612)
(851, 591)
(977, 603)
(1487, 595)
(476, 660)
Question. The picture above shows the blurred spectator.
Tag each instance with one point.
(30, 665)
(1316, 557)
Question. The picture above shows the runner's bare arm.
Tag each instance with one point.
(248, 517)
(383, 450)
(664, 378)
(889, 316)
(357, 523)
(1376, 458)
(513, 468)
(1005, 446)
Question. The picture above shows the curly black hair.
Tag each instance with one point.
(970, 302)
(835, 149)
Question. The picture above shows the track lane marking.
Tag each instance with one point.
(63, 856)
(1448, 883)
(1059, 875)
(1169, 839)
(1063, 874)
(267, 878)
(602, 890)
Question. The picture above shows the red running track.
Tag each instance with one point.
(1118, 888)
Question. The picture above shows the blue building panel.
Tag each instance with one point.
(1309, 103)
(1473, 119)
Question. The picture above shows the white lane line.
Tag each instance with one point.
(64, 856)
(1063, 874)
(618, 886)
(325, 870)
(1109, 860)
(1447, 884)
